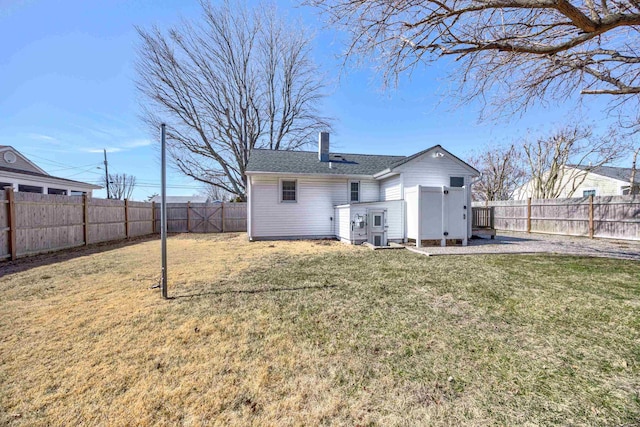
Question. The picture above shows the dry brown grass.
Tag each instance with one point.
(316, 333)
(85, 340)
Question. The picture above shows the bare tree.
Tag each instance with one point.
(214, 194)
(558, 164)
(238, 79)
(634, 188)
(120, 186)
(502, 173)
(512, 51)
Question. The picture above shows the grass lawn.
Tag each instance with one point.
(317, 333)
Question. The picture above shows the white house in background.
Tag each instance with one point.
(584, 181)
(23, 175)
(358, 197)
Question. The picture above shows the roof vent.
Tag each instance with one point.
(323, 146)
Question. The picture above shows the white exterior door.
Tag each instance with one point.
(378, 227)
(454, 213)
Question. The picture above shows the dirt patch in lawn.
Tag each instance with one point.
(318, 333)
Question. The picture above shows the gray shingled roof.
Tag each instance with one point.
(622, 174)
(306, 162)
(341, 164)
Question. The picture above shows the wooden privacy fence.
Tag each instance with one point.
(613, 217)
(204, 217)
(33, 223)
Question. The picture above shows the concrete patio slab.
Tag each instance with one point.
(523, 243)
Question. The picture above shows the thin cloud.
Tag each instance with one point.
(41, 137)
(138, 143)
(100, 150)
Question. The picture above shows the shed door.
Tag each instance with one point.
(455, 213)
(378, 227)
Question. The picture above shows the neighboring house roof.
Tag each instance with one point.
(5, 148)
(44, 175)
(306, 162)
(180, 199)
(621, 174)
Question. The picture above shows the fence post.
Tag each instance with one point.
(126, 218)
(222, 214)
(591, 228)
(153, 217)
(85, 215)
(492, 217)
(529, 215)
(11, 212)
(188, 217)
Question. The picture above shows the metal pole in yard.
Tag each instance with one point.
(163, 214)
(106, 173)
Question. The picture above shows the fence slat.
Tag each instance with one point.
(35, 223)
(11, 216)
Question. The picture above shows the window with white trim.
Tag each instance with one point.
(354, 191)
(587, 193)
(288, 190)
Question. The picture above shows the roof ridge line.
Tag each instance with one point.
(308, 151)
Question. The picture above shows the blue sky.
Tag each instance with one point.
(67, 93)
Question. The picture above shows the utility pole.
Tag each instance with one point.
(106, 173)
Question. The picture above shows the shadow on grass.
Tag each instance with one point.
(499, 240)
(253, 291)
(34, 261)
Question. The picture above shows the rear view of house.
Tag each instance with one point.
(358, 197)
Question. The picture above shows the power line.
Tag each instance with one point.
(59, 164)
(92, 165)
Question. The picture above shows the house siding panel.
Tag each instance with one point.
(603, 185)
(432, 172)
(390, 188)
(310, 215)
(370, 191)
(20, 163)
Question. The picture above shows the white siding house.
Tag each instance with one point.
(19, 173)
(351, 197)
(584, 181)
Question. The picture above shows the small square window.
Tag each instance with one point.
(456, 181)
(587, 193)
(288, 191)
(354, 191)
(377, 220)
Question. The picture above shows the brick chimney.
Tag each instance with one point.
(323, 146)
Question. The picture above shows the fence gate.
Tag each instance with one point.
(205, 218)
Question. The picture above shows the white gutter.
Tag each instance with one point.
(334, 175)
(477, 180)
